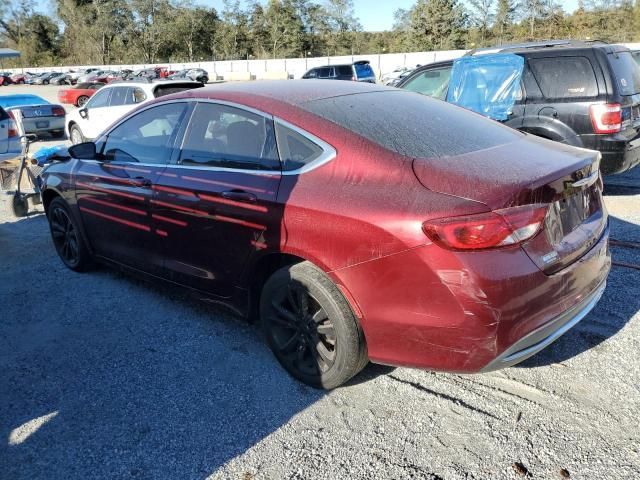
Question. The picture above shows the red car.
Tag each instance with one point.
(80, 94)
(357, 222)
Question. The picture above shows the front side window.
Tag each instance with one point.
(100, 99)
(228, 137)
(565, 77)
(147, 137)
(433, 83)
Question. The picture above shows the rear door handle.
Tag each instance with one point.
(140, 182)
(239, 196)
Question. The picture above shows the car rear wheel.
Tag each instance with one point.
(75, 135)
(82, 100)
(66, 237)
(310, 327)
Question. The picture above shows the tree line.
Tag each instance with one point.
(81, 32)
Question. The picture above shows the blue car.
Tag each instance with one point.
(38, 115)
(9, 137)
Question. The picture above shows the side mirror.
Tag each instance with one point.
(84, 113)
(86, 151)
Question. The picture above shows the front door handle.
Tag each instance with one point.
(239, 196)
(140, 182)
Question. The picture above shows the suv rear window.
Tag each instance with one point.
(565, 77)
(363, 70)
(411, 124)
(162, 90)
(626, 72)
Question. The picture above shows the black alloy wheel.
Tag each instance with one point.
(66, 237)
(302, 331)
(310, 327)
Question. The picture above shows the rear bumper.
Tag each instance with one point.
(469, 312)
(544, 336)
(53, 124)
(620, 152)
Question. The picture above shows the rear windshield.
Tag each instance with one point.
(363, 70)
(162, 90)
(626, 72)
(413, 125)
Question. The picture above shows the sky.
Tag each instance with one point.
(375, 15)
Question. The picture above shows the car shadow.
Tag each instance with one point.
(108, 376)
(627, 183)
(617, 306)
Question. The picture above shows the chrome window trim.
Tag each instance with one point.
(329, 152)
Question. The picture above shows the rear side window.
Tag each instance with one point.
(100, 99)
(345, 70)
(413, 125)
(295, 149)
(119, 96)
(626, 72)
(229, 137)
(565, 77)
(364, 70)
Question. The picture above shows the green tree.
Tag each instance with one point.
(437, 25)
(505, 16)
(482, 17)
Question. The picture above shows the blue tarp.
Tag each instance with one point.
(48, 154)
(486, 84)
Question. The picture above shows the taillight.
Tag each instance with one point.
(58, 112)
(606, 117)
(496, 229)
(13, 129)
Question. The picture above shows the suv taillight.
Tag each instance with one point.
(606, 117)
(500, 228)
(13, 129)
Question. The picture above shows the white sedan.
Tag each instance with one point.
(113, 101)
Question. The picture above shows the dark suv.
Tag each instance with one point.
(358, 72)
(583, 94)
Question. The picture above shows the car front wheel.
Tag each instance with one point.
(75, 135)
(310, 327)
(66, 237)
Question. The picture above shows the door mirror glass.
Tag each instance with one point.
(86, 151)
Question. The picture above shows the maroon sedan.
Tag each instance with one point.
(357, 222)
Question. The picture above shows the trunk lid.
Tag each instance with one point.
(531, 171)
(35, 111)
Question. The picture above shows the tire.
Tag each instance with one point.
(45, 82)
(310, 327)
(67, 238)
(75, 135)
(82, 100)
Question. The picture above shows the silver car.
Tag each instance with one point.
(10, 146)
(38, 115)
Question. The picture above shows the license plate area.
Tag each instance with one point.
(569, 213)
(42, 124)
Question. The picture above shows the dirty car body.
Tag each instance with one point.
(460, 250)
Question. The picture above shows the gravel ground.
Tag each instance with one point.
(105, 376)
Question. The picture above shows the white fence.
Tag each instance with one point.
(274, 68)
(287, 67)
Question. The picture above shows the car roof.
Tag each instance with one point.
(293, 92)
(149, 86)
(550, 46)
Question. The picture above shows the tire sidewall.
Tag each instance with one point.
(349, 345)
(84, 258)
